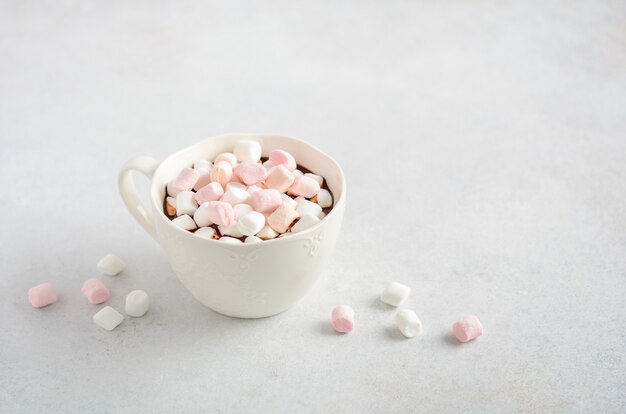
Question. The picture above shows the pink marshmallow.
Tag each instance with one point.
(279, 178)
(265, 201)
(202, 181)
(229, 157)
(251, 172)
(343, 319)
(278, 157)
(95, 291)
(220, 213)
(282, 217)
(42, 295)
(185, 180)
(221, 172)
(210, 192)
(304, 186)
(467, 328)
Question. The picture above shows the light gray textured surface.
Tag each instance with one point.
(485, 149)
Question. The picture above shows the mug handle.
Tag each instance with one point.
(145, 165)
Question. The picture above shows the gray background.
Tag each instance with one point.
(484, 145)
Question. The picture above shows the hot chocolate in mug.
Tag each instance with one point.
(247, 280)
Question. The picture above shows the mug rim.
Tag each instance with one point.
(338, 203)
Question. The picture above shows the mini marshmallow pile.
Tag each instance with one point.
(237, 196)
(137, 301)
(395, 294)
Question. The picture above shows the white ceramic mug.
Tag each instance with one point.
(248, 280)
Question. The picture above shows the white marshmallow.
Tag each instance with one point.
(395, 293)
(205, 232)
(230, 240)
(316, 177)
(267, 233)
(111, 265)
(137, 303)
(241, 210)
(289, 202)
(171, 201)
(324, 199)
(408, 323)
(185, 222)
(204, 179)
(254, 187)
(108, 318)
(246, 150)
(267, 164)
(298, 172)
(305, 222)
(186, 203)
(230, 231)
(305, 207)
(252, 239)
(234, 184)
(234, 196)
(201, 216)
(321, 215)
(170, 189)
(203, 164)
(251, 223)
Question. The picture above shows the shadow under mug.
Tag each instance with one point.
(248, 280)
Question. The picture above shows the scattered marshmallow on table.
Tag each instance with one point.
(185, 222)
(111, 265)
(467, 328)
(305, 222)
(408, 323)
(395, 294)
(137, 303)
(108, 318)
(95, 291)
(42, 295)
(343, 319)
(186, 203)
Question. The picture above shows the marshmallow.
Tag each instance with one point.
(206, 233)
(231, 230)
(185, 181)
(222, 172)
(281, 218)
(279, 178)
(321, 215)
(254, 187)
(304, 186)
(267, 233)
(42, 295)
(170, 206)
(108, 318)
(246, 150)
(229, 157)
(186, 203)
(268, 165)
(235, 196)
(305, 207)
(297, 172)
(241, 210)
(252, 239)
(395, 293)
(288, 201)
(185, 222)
(137, 303)
(230, 240)
(110, 265)
(201, 216)
(343, 319)
(315, 177)
(233, 184)
(304, 223)
(251, 172)
(205, 178)
(323, 198)
(221, 213)
(278, 157)
(408, 323)
(265, 201)
(467, 328)
(202, 164)
(210, 192)
(251, 223)
(95, 291)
